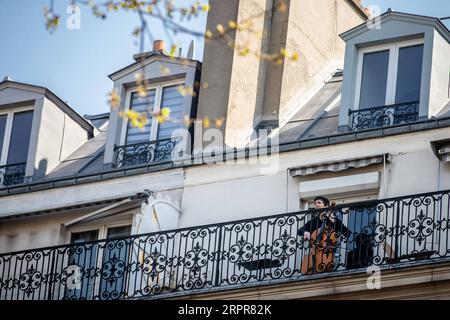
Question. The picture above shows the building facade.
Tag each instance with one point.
(95, 208)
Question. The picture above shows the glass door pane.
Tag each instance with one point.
(20, 137)
(2, 138)
(362, 222)
(137, 149)
(115, 261)
(172, 99)
(409, 74)
(374, 79)
(2, 132)
(141, 105)
(17, 151)
(409, 77)
(83, 260)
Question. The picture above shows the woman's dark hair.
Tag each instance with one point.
(325, 201)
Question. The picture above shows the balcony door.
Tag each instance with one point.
(114, 262)
(101, 264)
(388, 82)
(156, 98)
(15, 133)
(358, 249)
(83, 261)
(149, 139)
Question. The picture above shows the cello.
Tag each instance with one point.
(322, 241)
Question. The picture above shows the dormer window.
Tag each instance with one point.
(390, 74)
(388, 85)
(167, 79)
(158, 97)
(394, 75)
(154, 141)
(15, 132)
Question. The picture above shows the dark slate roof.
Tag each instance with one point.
(315, 124)
(86, 159)
(312, 120)
(315, 118)
(99, 120)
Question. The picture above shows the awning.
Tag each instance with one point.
(82, 206)
(339, 165)
(115, 208)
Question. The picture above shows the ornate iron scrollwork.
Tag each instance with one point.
(142, 153)
(384, 116)
(12, 174)
(230, 254)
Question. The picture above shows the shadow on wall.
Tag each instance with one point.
(41, 170)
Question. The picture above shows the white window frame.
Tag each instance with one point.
(158, 99)
(102, 229)
(391, 85)
(8, 130)
(308, 203)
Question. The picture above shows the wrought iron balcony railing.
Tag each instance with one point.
(235, 254)
(384, 116)
(147, 152)
(12, 174)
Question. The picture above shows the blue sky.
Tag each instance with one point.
(74, 64)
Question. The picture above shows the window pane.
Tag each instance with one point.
(141, 105)
(374, 79)
(409, 74)
(83, 260)
(20, 137)
(116, 255)
(78, 237)
(2, 132)
(363, 223)
(119, 232)
(172, 99)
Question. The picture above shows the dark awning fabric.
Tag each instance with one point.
(99, 206)
(339, 165)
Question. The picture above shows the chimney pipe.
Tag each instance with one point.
(159, 45)
(158, 48)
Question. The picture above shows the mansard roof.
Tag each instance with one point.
(314, 125)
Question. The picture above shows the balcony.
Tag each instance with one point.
(387, 233)
(12, 174)
(144, 153)
(384, 116)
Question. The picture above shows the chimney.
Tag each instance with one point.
(248, 90)
(158, 48)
